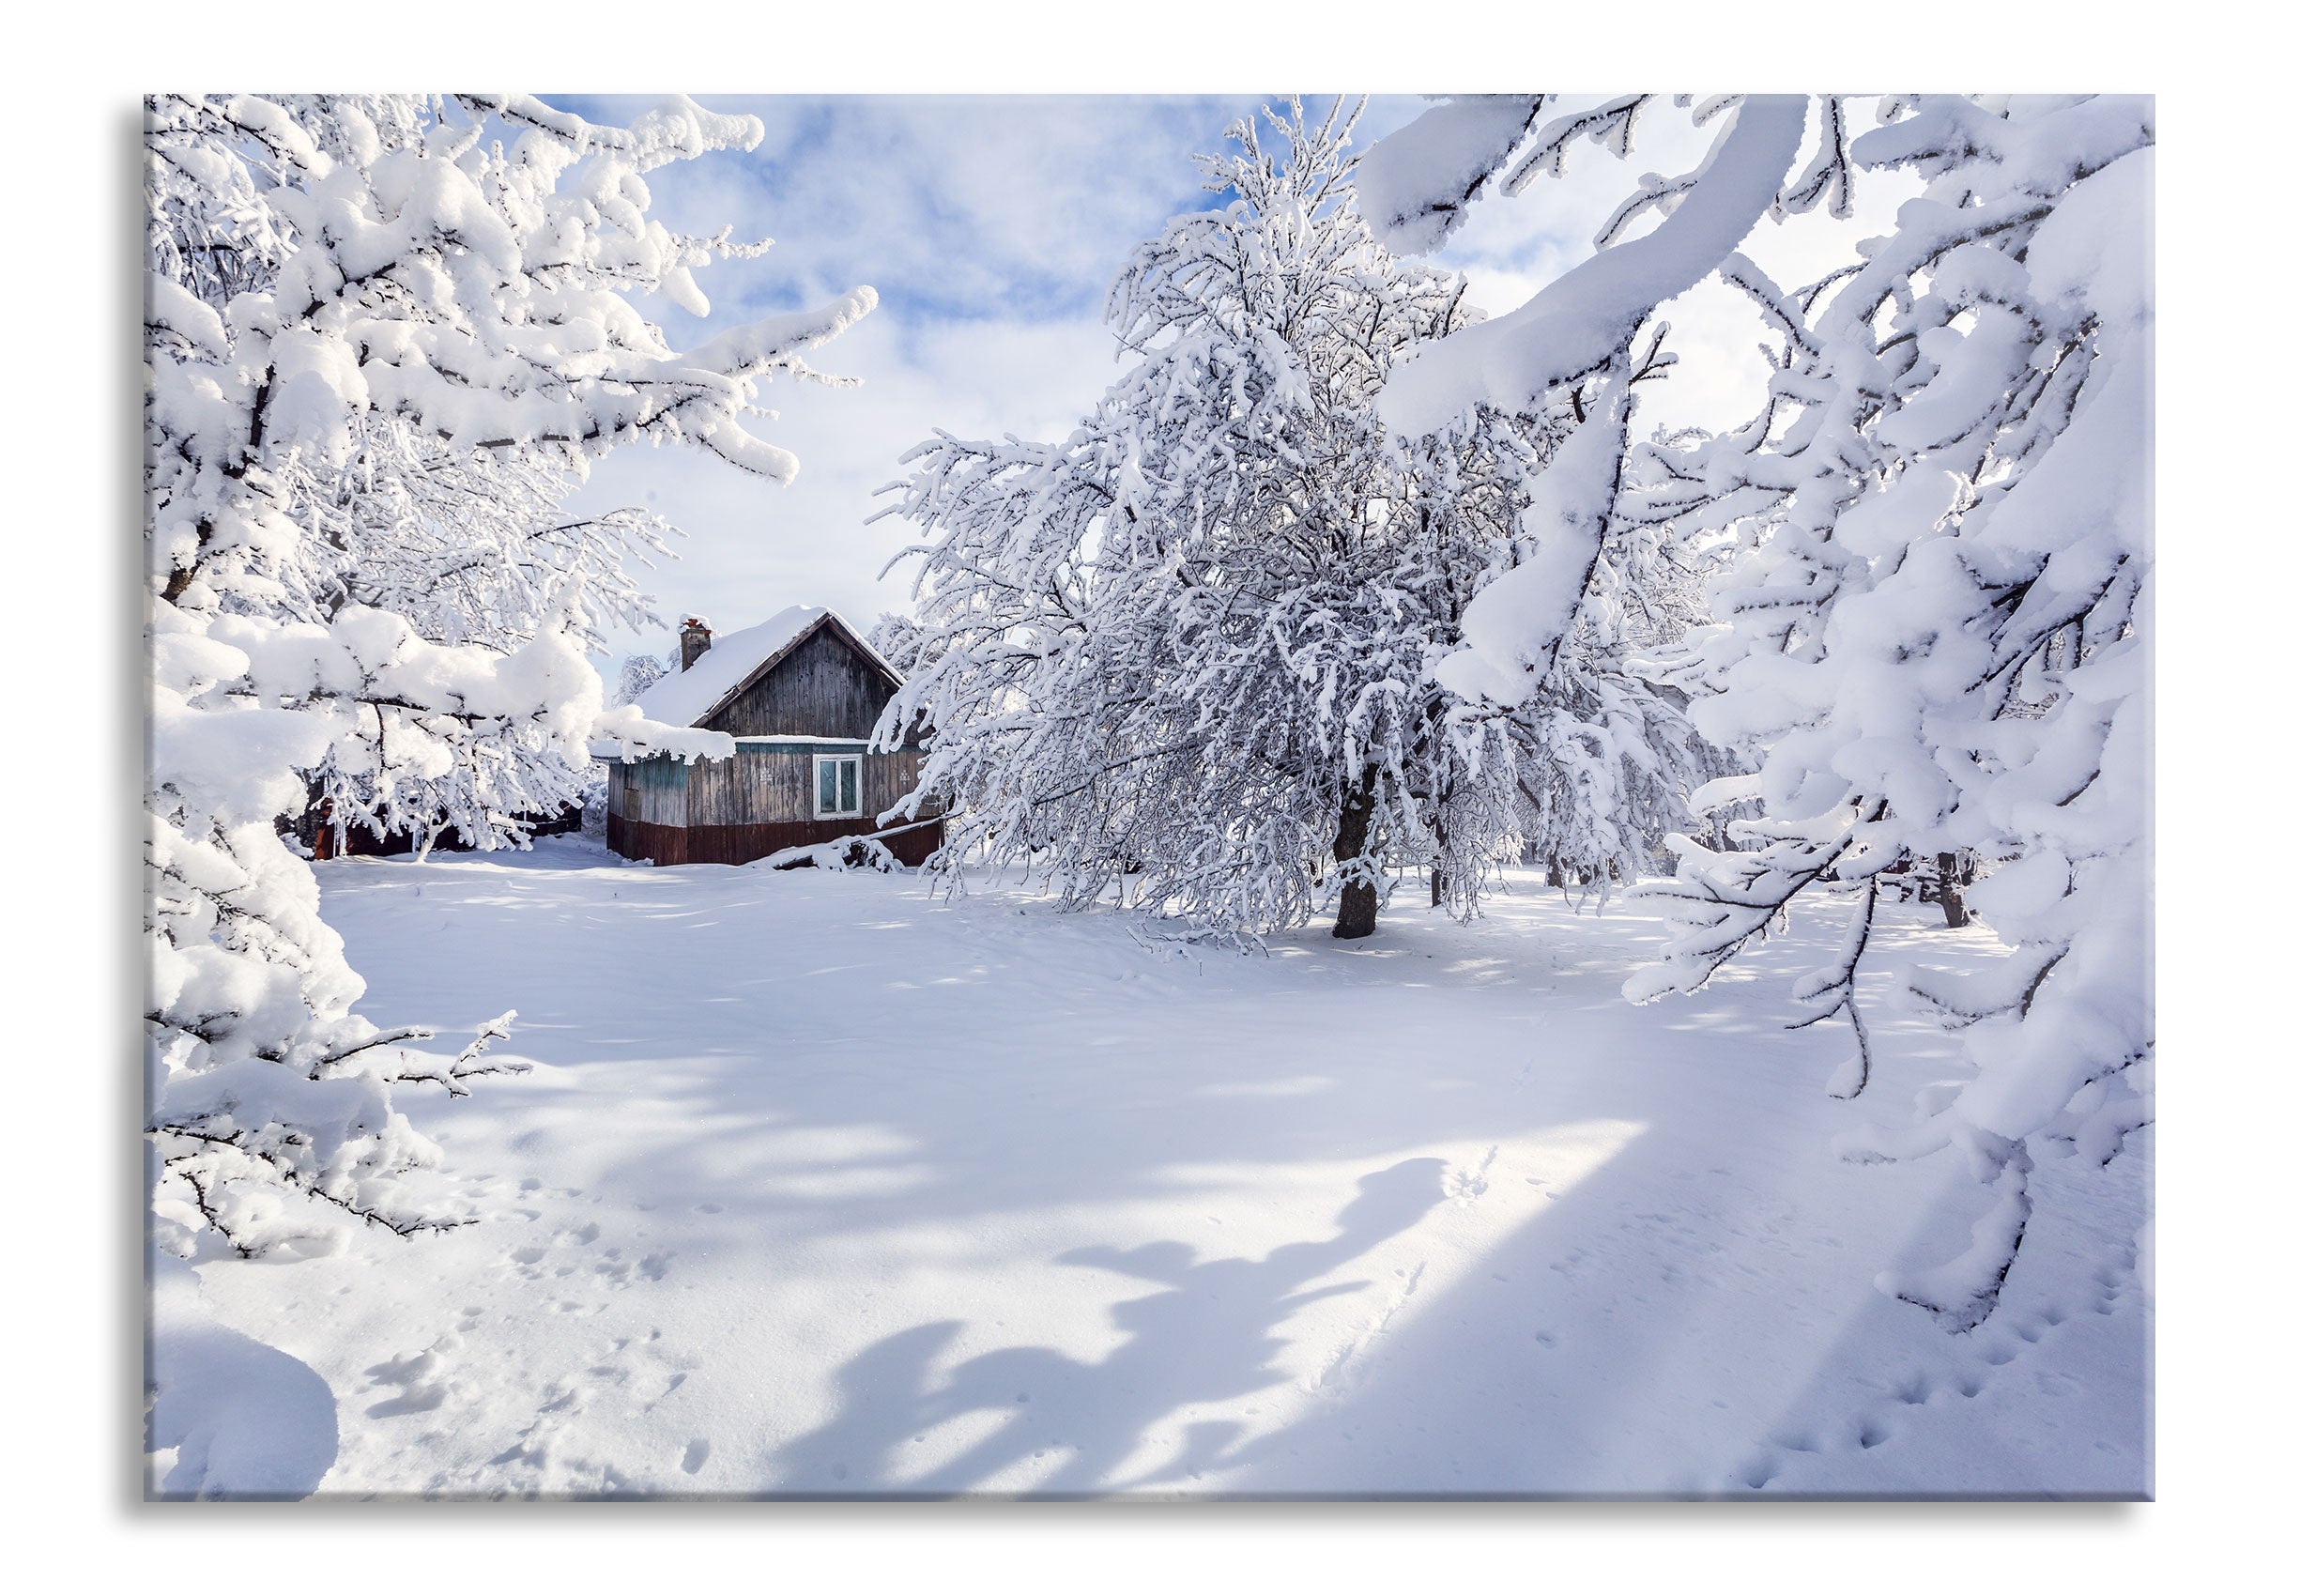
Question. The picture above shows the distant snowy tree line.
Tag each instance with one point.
(384, 335)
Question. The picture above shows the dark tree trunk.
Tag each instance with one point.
(1437, 889)
(1952, 896)
(1557, 872)
(1358, 902)
(323, 839)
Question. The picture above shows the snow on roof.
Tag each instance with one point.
(685, 696)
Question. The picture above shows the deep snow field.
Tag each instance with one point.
(821, 1186)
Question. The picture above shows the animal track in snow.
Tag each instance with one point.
(630, 1372)
(1571, 1263)
(2004, 1339)
(1467, 1188)
(1373, 1328)
(536, 1261)
(422, 1378)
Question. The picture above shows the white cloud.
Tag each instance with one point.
(991, 228)
(753, 547)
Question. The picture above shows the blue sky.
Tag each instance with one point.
(991, 228)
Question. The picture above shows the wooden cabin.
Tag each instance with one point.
(800, 694)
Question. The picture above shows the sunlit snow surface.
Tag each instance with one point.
(820, 1187)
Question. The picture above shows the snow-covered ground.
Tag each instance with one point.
(820, 1186)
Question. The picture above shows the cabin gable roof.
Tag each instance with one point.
(733, 665)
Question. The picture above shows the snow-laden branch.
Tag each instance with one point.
(1935, 623)
(381, 350)
(1587, 316)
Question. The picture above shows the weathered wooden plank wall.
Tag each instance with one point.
(757, 786)
(888, 778)
(823, 689)
(652, 790)
(776, 786)
(732, 811)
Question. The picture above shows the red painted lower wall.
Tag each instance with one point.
(740, 845)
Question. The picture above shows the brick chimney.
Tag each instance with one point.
(694, 639)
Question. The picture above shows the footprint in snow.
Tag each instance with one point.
(1467, 1187)
(424, 1380)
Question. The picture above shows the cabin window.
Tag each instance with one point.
(838, 785)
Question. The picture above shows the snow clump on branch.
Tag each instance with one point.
(384, 337)
(1935, 611)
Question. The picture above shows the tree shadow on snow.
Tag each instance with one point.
(1211, 1334)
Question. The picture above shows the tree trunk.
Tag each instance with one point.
(1952, 896)
(323, 829)
(1358, 902)
(1437, 889)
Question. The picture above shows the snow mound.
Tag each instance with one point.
(230, 1417)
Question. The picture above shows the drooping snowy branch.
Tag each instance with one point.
(384, 338)
(1936, 624)
(1589, 315)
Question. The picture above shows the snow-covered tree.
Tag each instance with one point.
(638, 673)
(1189, 644)
(1937, 615)
(898, 638)
(384, 335)
(471, 549)
(468, 546)
(1607, 754)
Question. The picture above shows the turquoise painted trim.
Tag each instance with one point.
(756, 746)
